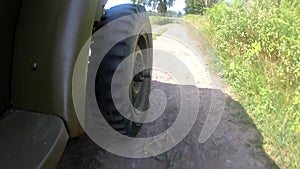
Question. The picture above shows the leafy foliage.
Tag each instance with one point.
(160, 5)
(167, 14)
(259, 48)
(198, 6)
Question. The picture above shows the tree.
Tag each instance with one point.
(198, 6)
(194, 6)
(140, 2)
(179, 14)
(161, 5)
(171, 13)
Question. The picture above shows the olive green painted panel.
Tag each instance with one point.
(8, 15)
(49, 37)
(31, 140)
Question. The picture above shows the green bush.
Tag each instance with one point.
(259, 49)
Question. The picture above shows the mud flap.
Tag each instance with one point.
(31, 140)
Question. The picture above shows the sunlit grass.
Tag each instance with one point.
(163, 20)
(259, 49)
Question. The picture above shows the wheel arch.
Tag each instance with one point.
(48, 39)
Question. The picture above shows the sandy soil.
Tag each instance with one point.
(236, 143)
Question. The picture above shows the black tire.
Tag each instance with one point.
(139, 25)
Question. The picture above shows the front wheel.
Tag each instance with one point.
(140, 46)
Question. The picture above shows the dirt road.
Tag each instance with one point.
(236, 143)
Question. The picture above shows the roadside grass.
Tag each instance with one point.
(206, 47)
(160, 32)
(163, 20)
(259, 51)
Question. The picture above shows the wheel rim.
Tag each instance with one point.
(137, 83)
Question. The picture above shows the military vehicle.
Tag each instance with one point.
(41, 41)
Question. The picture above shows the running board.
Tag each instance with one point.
(31, 140)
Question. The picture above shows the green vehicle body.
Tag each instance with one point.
(39, 46)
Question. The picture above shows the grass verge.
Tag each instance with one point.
(259, 50)
(162, 20)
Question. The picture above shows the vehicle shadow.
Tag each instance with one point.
(235, 144)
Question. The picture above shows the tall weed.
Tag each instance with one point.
(259, 49)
